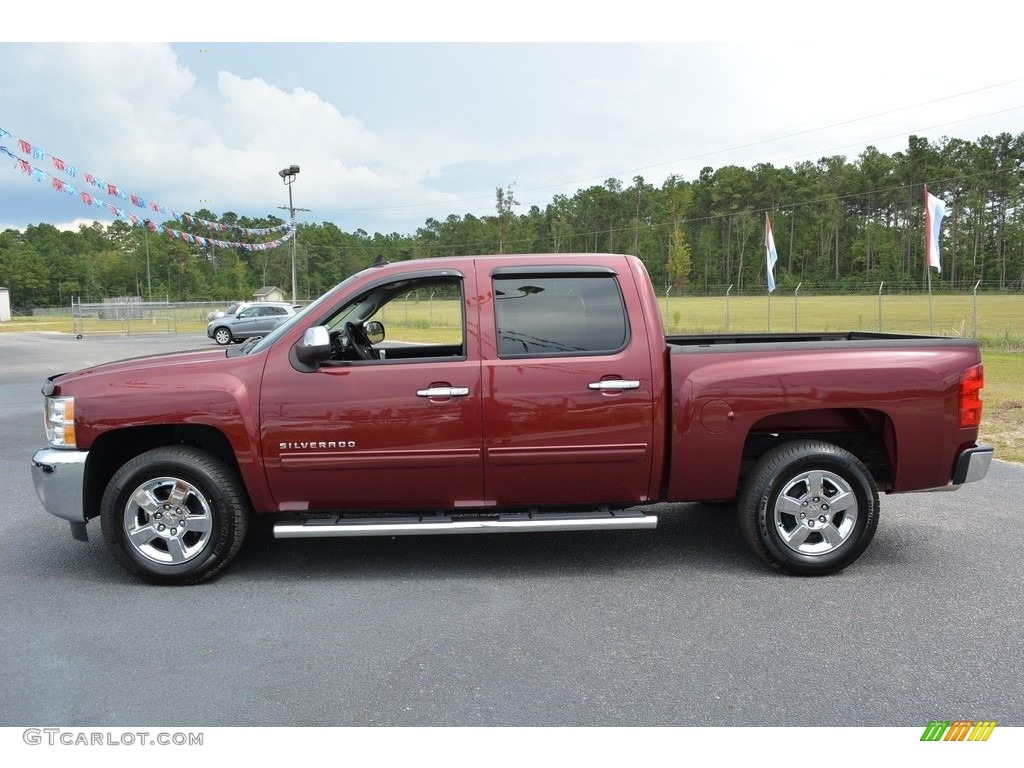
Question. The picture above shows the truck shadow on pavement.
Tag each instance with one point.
(691, 537)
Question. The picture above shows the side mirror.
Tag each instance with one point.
(374, 330)
(315, 346)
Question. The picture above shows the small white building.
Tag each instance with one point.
(5, 305)
(269, 293)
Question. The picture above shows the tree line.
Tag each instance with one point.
(839, 226)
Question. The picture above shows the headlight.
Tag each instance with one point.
(59, 420)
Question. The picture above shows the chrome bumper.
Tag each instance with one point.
(59, 477)
(972, 464)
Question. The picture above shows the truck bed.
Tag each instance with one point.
(898, 395)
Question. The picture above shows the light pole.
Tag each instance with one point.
(149, 278)
(288, 176)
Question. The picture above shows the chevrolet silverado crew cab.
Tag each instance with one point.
(551, 401)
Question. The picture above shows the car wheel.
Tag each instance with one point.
(222, 336)
(174, 515)
(809, 508)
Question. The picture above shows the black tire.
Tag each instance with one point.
(174, 515)
(809, 508)
(223, 336)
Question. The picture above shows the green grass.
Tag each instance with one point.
(93, 327)
(999, 319)
(1002, 421)
(19, 324)
(998, 322)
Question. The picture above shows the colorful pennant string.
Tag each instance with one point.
(112, 190)
(60, 185)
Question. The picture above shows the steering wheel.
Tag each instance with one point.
(360, 343)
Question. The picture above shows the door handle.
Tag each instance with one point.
(443, 392)
(613, 385)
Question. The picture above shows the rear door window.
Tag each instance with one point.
(555, 316)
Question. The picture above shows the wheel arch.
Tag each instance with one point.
(869, 434)
(112, 450)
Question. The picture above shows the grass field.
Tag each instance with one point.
(1002, 422)
(998, 319)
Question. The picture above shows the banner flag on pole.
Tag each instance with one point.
(770, 253)
(934, 210)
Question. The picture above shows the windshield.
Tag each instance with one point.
(301, 317)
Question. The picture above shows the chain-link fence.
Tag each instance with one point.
(130, 315)
(996, 318)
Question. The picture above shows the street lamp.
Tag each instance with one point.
(149, 277)
(288, 176)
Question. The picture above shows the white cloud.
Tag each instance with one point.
(432, 130)
(135, 117)
(72, 225)
(264, 116)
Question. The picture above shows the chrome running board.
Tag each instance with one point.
(511, 522)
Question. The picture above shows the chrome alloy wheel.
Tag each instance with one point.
(816, 512)
(168, 520)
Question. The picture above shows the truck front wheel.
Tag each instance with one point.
(809, 508)
(174, 515)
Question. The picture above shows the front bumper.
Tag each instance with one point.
(59, 477)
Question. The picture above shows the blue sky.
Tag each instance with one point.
(388, 134)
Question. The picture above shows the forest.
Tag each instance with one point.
(839, 226)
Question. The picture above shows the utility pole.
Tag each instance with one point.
(149, 277)
(288, 176)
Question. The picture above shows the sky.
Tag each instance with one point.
(406, 112)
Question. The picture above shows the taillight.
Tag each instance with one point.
(971, 382)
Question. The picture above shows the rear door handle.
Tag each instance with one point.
(613, 385)
(443, 392)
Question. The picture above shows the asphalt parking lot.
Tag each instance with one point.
(678, 626)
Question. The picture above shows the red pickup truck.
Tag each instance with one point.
(553, 402)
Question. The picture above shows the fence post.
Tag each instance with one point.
(974, 323)
(880, 305)
(728, 290)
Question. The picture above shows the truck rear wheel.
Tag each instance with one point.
(174, 515)
(809, 508)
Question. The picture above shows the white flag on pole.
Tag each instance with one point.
(770, 255)
(934, 210)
